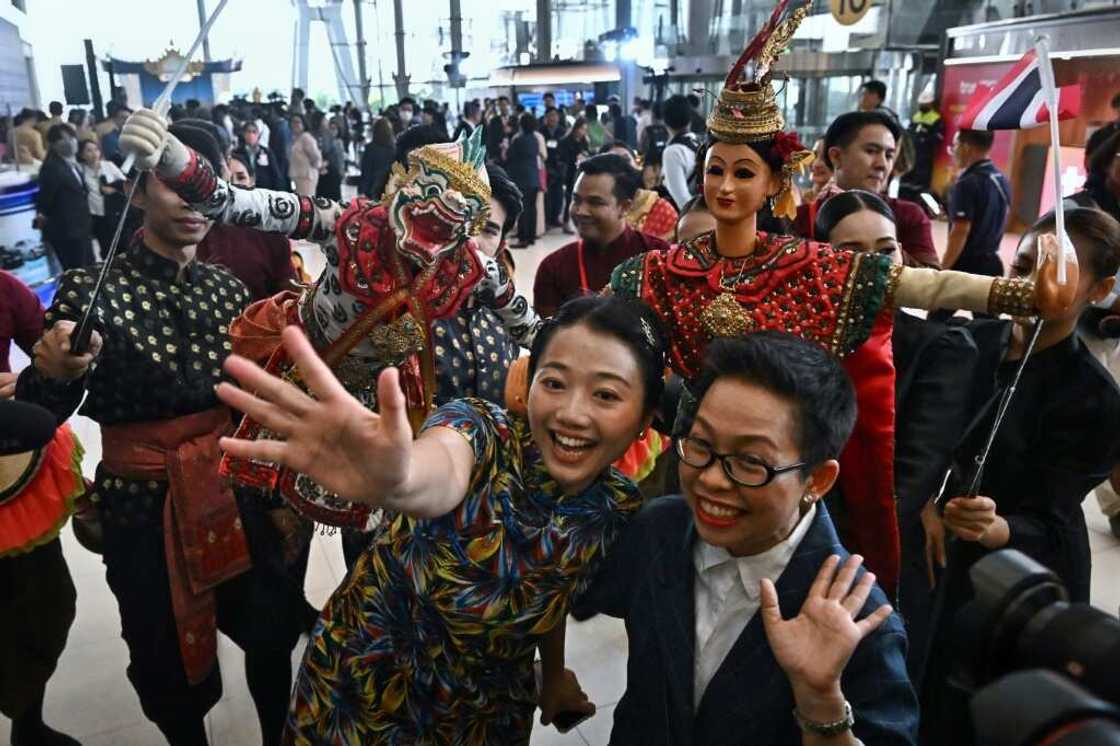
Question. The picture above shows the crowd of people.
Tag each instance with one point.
(736, 428)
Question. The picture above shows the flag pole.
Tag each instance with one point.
(1050, 91)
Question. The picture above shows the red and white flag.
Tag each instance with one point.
(1018, 101)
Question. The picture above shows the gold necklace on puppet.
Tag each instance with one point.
(725, 316)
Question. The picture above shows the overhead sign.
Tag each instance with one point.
(847, 12)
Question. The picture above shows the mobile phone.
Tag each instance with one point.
(564, 721)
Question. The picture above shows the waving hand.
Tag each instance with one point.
(331, 438)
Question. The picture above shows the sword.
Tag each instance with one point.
(79, 338)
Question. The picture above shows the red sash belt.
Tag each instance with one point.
(203, 538)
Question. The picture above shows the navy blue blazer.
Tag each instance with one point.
(647, 580)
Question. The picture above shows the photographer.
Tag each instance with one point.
(1056, 443)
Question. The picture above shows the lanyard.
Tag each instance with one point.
(584, 284)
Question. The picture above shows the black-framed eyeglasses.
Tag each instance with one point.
(745, 471)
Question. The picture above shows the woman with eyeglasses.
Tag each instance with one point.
(748, 621)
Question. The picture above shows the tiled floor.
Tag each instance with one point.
(90, 698)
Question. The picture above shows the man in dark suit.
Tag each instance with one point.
(748, 623)
(62, 202)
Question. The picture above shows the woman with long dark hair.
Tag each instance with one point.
(574, 147)
(524, 161)
(377, 160)
(105, 185)
(500, 522)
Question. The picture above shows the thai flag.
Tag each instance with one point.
(1018, 100)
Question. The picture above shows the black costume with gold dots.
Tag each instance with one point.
(473, 353)
(166, 335)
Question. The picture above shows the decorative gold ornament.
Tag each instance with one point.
(1012, 296)
(165, 67)
(724, 317)
(747, 110)
(394, 342)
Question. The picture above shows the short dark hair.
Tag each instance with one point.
(693, 100)
(841, 205)
(800, 371)
(609, 146)
(58, 131)
(549, 93)
(677, 112)
(982, 139)
(471, 108)
(506, 192)
(527, 122)
(200, 136)
(55, 108)
(878, 87)
(629, 321)
(627, 179)
(1099, 233)
(1101, 158)
(407, 100)
(242, 159)
(417, 137)
(846, 128)
(696, 204)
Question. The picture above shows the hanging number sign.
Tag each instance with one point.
(847, 12)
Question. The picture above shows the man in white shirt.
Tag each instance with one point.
(747, 620)
(679, 159)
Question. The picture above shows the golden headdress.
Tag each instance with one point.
(747, 110)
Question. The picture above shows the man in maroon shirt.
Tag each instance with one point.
(21, 321)
(262, 261)
(861, 147)
(602, 196)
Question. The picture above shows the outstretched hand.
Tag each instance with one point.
(814, 647)
(331, 438)
(1053, 300)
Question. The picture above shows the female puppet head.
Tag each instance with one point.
(751, 159)
(442, 200)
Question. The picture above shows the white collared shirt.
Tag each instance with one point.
(727, 597)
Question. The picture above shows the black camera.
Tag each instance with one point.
(1043, 670)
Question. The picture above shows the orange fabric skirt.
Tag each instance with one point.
(36, 515)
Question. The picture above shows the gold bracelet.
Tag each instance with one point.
(1012, 296)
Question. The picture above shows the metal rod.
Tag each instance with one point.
(1001, 412)
(79, 338)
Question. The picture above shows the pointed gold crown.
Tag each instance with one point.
(747, 110)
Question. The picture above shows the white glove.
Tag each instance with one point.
(145, 136)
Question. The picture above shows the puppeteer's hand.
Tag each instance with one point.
(53, 358)
(935, 541)
(1054, 300)
(331, 438)
(814, 647)
(145, 136)
(563, 695)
